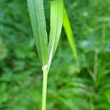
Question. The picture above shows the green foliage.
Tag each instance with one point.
(69, 86)
(3, 51)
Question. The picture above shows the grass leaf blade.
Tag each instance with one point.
(68, 30)
(56, 26)
(36, 11)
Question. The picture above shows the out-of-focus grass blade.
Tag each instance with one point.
(36, 11)
(56, 21)
(68, 30)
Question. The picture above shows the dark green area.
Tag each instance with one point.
(71, 86)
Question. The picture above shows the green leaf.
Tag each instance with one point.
(36, 11)
(3, 50)
(56, 21)
(68, 30)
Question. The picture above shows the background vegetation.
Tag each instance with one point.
(72, 86)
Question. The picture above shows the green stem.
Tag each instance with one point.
(45, 76)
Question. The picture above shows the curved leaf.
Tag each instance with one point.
(56, 20)
(68, 30)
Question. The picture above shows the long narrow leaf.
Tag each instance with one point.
(36, 11)
(56, 26)
(68, 30)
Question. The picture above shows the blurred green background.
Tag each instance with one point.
(71, 86)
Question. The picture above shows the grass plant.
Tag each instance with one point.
(46, 51)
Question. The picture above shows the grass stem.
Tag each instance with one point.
(45, 76)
